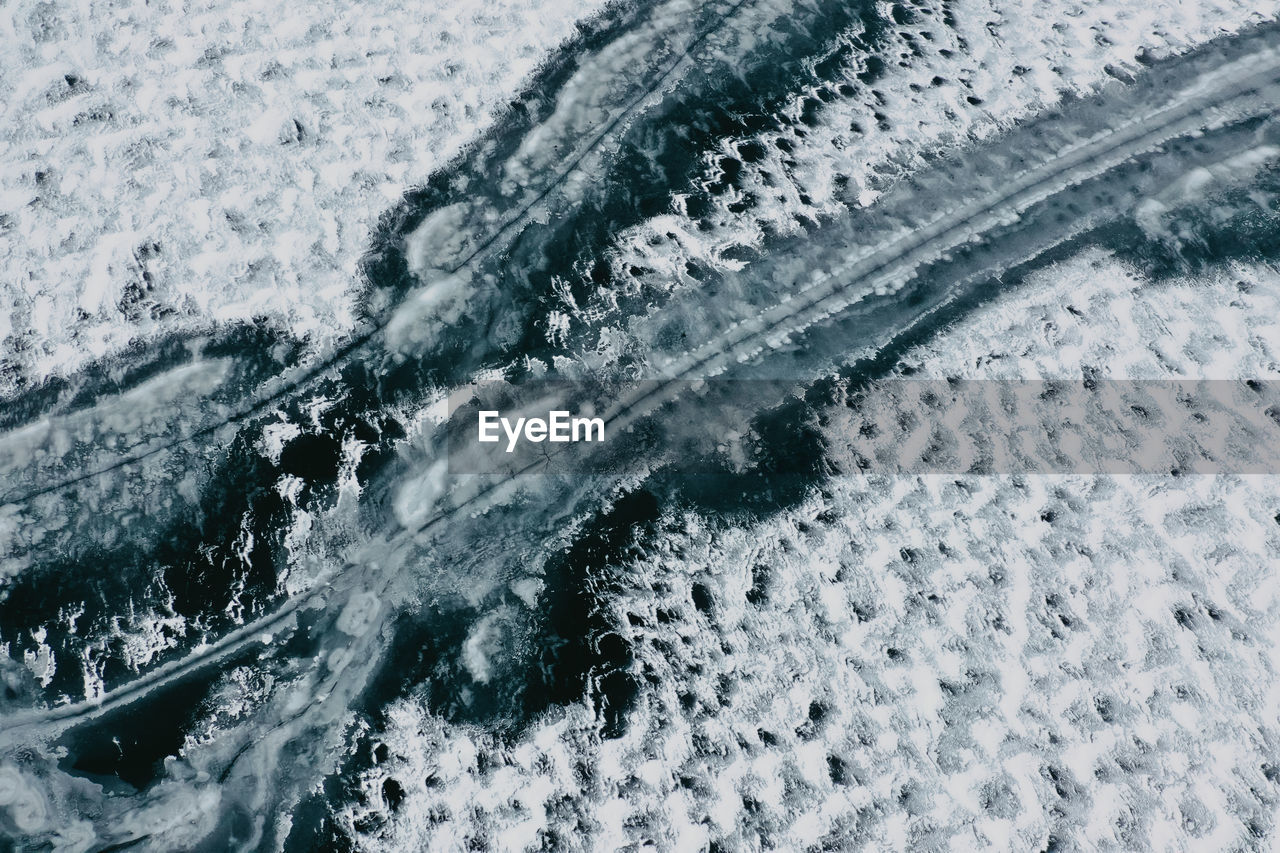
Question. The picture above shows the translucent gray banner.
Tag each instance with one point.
(903, 426)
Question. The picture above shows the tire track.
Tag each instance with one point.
(1247, 86)
(527, 210)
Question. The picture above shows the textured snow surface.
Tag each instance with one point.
(1096, 312)
(164, 165)
(930, 662)
(944, 75)
(893, 663)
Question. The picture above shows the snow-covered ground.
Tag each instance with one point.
(896, 663)
(975, 662)
(945, 76)
(167, 165)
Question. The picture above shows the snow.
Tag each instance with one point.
(942, 88)
(898, 662)
(1023, 648)
(250, 146)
